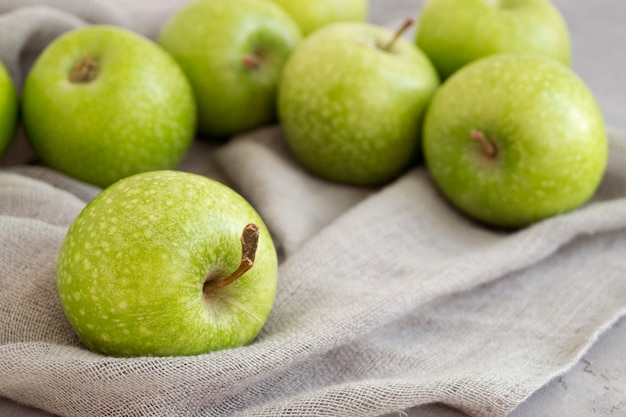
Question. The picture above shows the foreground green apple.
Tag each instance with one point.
(351, 102)
(167, 263)
(8, 109)
(233, 52)
(102, 103)
(513, 139)
(313, 14)
(454, 33)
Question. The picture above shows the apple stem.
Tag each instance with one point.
(487, 146)
(84, 71)
(249, 244)
(405, 26)
(252, 61)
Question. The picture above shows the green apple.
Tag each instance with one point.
(454, 33)
(351, 101)
(233, 52)
(313, 14)
(8, 109)
(102, 103)
(515, 138)
(167, 263)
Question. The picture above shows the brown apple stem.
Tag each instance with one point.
(487, 146)
(84, 71)
(249, 244)
(405, 26)
(252, 61)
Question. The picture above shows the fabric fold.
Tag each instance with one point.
(400, 289)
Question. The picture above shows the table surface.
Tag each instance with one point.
(595, 386)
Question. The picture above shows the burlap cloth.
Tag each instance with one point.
(387, 297)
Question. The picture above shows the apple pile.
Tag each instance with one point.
(513, 135)
(163, 262)
(509, 133)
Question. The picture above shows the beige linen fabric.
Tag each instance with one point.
(388, 298)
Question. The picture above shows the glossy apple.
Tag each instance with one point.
(233, 52)
(351, 109)
(102, 103)
(167, 263)
(513, 139)
(454, 33)
(313, 14)
(8, 109)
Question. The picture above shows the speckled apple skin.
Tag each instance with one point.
(131, 270)
(209, 39)
(137, 115)
(352, 112)
(454, 33)
(546, 125)
(314, 14)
